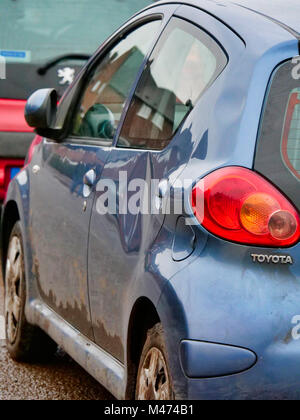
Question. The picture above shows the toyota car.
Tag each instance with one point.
(154, 231)
(45, 43)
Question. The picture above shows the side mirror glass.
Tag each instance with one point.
(41, 109)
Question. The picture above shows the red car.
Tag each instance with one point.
(45, 44)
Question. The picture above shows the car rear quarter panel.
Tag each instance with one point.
(222, 296)
(218, 294)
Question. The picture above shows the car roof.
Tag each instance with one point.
(272, 17)
(284, 12)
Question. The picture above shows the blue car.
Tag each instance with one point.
(154, 230)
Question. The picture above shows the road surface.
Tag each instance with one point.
(60, 379)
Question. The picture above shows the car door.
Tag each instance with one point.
(153, 143)
(65, 173)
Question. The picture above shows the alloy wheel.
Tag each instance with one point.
(153, 380)
(13, 281)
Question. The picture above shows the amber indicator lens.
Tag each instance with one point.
(256, 211)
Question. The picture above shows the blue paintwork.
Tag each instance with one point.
(184, 240)
(92, 269)
(58, 192)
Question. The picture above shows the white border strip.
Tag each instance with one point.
(2, 328)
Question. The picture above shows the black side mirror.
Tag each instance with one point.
(41, 109)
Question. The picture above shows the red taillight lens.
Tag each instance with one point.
(282, 225)
(239, 205)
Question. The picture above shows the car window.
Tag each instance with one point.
(291, 134)
(278, 148)
(184, 63)
(109, 84)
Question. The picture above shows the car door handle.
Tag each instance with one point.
(89, 178)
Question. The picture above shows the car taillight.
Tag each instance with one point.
(239, 205)
(8, 169)
(36, 141)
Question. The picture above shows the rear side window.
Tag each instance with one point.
(278, 149)
(291, 134)
(183, 65)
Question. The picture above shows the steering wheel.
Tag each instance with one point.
(98, 122)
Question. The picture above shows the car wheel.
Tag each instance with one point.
(154, 379)
(24, 341)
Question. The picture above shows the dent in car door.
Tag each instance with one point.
(63, 190)
(122, 249)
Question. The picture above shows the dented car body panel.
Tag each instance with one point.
(86, 271)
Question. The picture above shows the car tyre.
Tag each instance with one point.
(154, 380)
(24, 341)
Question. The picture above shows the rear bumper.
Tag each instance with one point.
(221, 296)
(276, 375)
